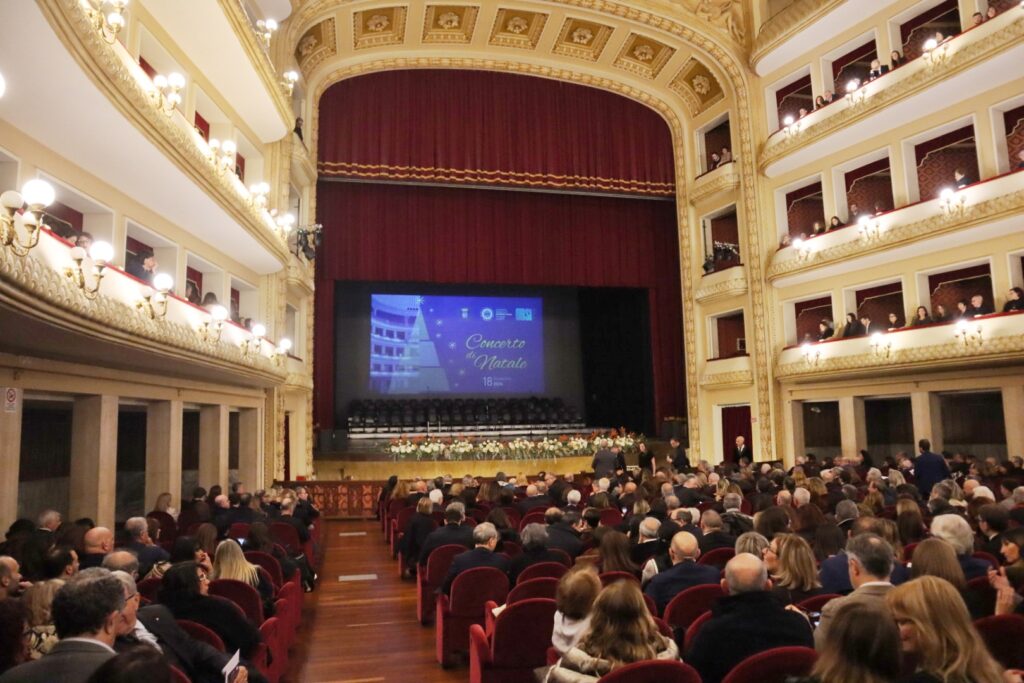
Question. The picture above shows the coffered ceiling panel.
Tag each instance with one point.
(517, 28)
(449, 23)
(316, 45)
(697, 85)
(582, 39)
(643, 56)
(378, 26)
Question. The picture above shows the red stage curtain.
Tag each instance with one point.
(400, 233)
(485, 128)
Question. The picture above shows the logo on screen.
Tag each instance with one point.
(487, 314)
(524, 314)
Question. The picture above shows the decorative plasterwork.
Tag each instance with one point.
(316, 45)
(725, 178)
(952, 353)
(300, 275)
(110, 73)
(34, 288)
(378, 26)
(722, 285)
(643, 56)
(739, 378)
(779, 145)
(697, 86)
(582, 39)
(939, 224)
(449, 23)
(795, 17)
(516, 28)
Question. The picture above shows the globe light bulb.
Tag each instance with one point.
(101, 252)
(876, 338)
(176, 80)
(788, 121)
(12, 200)
(38, 193)
(160, 81)
(3, 85)
(259, 331)
(946, 194)
(218, 313)
(228, 147)
(852, 85)
(163, 283)
(291, 76)
(285, 345)
(270, 25)
(798, 243)
(930, 44)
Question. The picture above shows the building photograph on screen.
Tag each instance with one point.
(423, 344)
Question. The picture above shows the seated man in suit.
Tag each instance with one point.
(749, 620)
(563, 530)
(648, 545)
(870, 561)
(684, 573)
(877, 69)
(452, 533)
(869, 327)
(979, 307)
(713, 536)
(99, 542)
(961, 179)
(485, 539)
(87, 614)
(149, 553)
(534, 499)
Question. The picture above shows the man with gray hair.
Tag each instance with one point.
(870, 560)
(647, 545)
(123, 561)
(846, 512)
(747, 621)
(734, 521)
(801, 497)
(955, 530)
(485, 540)
(535, 550)
(148, 552)
(452, 533)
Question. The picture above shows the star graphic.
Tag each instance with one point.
(439, 322)
(419, 300)
(451, 345)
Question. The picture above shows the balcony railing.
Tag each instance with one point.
(725, 178)
(727, 372)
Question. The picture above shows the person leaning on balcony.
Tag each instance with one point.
(961, 179)
(834, 223)
(1014, 300)
(991, 13)
(895, 59)
(869, 327)
(715, 162)
(825, 330)
(940, 315)
(818, 228)
(977, 19)
(819, 102)
(979, 307)
(877, 69)
(894, 322)
(921, 317)
(852, 328)
(829, 97)
(725, 155)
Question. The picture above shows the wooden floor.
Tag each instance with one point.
(364, 631)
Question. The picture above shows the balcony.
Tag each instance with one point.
(988, 340)
(725, 178)
(720, 373)
(119, 321)
(969, 64)
(722, 284)
(980, 211)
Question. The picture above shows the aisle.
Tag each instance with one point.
(364, 630)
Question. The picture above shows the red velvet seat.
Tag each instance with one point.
(608, 578)
(815, 603)
(543, 587)
(238, 530)
(988, 557)
(663, 628)
(773, 666)
(717, 557)
(291, 594)
(553, 570)
(398, 527)
(148, 588)
(611, 517)
(429, 579)
(908, 551)
(199, 632)
(984, 594)
(531, 518)
(653, 671)
(652, 606)
(168, 527)
(287, 537)
(684, 609)
(270, 564)
(403, 562)
(272, 659)
(178, 676)
(464, 607)
(694, 629)
(1004, 637)
(515, 645)
(563, 556)
(242, 594)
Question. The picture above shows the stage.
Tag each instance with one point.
(379, 470)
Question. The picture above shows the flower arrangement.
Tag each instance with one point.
(520, 448)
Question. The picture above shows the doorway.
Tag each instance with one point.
(736, 422)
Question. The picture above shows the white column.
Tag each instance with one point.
(249, 440)
(926, 411)
(1013, 409)
(853, 431)
(93, 485)
(163, 451)
(213, 446)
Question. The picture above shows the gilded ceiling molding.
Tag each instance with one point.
(107, 69)
(243, 29)
(723, 179)
(517, 28)
(378, 26)
(300, 275)
(318, 44)
(934, 356)
(791, 20)
(643, 56)
(940, 224)
(38, 291)
(449, 23)
(727, 284)
(778, 146)
(739, 378)
(582, 39)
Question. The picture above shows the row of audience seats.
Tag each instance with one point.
(388, 415)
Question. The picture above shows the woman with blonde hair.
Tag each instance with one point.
(790, 561)
(936, 630)
(574, 598)
(41, 634)
(163, 504)
(621, 632)
(229, 563)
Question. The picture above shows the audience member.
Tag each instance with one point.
(574, 599)
(895, 59)
(870, 561)
(535, 550)
(564, 530)
(921, 317)
(143, 266)
(957, 532)
(13, 623)
(99, 541)
(684, 572)
(229, 563)
(747, 621)
(977, 19)
(148, 552)
(135, 665)
(894, 322)
(1013, 542)
(790, 563)
(1014, 299)
(961, 179)
(12, 584)
(60, 563)
(853, 327)
(940, 314)
(163, 504)
(929, 468)
(485, 539)
(713, 535)
(825, 330)
(452, 533)
(979, 307)
(877, 69)
(621, 632)
(41, 632)
(725, 156)
(862, 646)
(909, 521)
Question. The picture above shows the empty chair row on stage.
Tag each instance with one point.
(388, 415)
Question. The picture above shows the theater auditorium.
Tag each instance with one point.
(512, 341)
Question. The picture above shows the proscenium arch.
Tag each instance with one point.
(723, 61)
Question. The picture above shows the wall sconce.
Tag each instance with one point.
(791, 125)
(803, 249)
(285, 224)
(854, 93)
(811, 355)
(954, 204)
(101, 254)
(35, 196)
(265, 30)
(166, 91)
(254, 346)
(934, 53)
(281, 352)
(110, 24)
(211, 329)
(880, 346)
(870, 230)
(258, 194)
(290, 79)
(969, 333)
(154, 303)
(222, 154)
